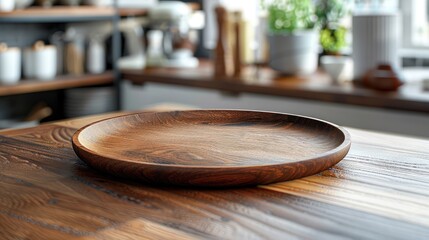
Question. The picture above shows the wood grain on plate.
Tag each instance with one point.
(211, 147)
(379, 191)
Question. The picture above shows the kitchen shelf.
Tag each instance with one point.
(133, 12)
(61, 82)
(138, 12)
(316, 87)
(58, 14)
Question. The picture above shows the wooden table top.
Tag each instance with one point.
(317, 87)
(379, 191)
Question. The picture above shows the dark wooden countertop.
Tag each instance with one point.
(379, 191)
(318, 86)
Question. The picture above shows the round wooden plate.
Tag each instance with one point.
(215, 148)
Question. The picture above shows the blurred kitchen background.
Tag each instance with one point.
(357, 63)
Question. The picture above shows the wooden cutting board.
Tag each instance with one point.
(211, 148)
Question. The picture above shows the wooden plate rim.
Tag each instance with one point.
(344, 146)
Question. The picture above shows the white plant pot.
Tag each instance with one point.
(294, 53)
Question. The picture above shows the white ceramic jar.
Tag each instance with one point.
(40, 62)
(96, 57)
(10, 65)
(7, 5)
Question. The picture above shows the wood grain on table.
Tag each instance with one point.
(379, 191)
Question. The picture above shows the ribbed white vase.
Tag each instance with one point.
(376, 40)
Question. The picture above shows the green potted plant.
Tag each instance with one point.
(292, 36)
(333, 38)
(332, 35)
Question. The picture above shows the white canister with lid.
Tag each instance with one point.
(10, 64)
(40, 61)
(7, 5)
(96, 56)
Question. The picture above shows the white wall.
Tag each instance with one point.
(136, 97)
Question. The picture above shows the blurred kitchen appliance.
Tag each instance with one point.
(133, 34)
(172, 18)
(155, 54)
